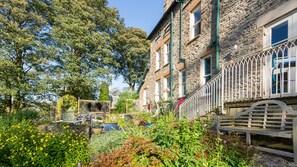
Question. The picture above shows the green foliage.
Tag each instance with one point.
(66, 103)
(22, 56)
(22, 145)
(131, 54)
(185, 143)
(83, 32)
(121, 104)
(104, 92)
(52, 48)
(138, 152)
(106, 142)
(26, 114)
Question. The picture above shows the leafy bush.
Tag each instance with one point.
(189, 144)
(121, 104)
(136, 151)
(23, 145)
(26, 114)
(66, 103)
(104, 92)
(108, 141)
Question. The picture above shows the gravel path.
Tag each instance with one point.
(271, 160)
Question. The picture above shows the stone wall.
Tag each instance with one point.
(192, 49)
(238, 26)
(167, 4)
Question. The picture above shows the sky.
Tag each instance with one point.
(143, 14)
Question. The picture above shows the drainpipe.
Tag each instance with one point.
(171, 60)
(218, 38)
(181, 58)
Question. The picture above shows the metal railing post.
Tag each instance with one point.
(222, 87)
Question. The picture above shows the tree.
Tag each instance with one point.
(104, 92)
(131, 55)
(23, 27)
(83, 32)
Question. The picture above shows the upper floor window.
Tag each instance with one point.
(158, 60)
(196, 22)
(167, 52)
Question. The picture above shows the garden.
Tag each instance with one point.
(141, 140)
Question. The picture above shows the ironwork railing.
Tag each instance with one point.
(265, 74)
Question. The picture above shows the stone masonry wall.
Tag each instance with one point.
(238, 26)
(192, 49)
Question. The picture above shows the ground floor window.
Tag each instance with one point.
(182, 83)
(157, 90)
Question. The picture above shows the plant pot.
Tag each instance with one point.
(148, 124)
(97, 130)
(111, 126)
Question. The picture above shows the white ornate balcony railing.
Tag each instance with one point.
(269, 73)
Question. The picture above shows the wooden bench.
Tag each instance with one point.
(270, 118)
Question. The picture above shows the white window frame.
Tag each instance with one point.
(166, 52)
(158, 59)
(202, 69)
(166, 80)
(181, 92)
(193, 24)
(268, 32)
(157, 90)
(144, 95)
(267, 36)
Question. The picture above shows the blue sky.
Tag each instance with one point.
(143, 14)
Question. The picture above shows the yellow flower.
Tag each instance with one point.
(41, 148)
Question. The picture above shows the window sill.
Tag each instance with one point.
(183, 96)
(193, 39)
(166, 64)
(157, 70)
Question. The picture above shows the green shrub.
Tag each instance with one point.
(104, 92)
(121, 104)
(26, 114)
(66, 103)
(23, 145)
(187, 144)
(108, 141)
(138, 152)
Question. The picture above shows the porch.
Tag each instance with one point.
(266, 74)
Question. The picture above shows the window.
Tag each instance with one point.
(167, 52)
(281, 65)
(182, 83)
(166, 87)
(157, 90)
(205, 70)
(196, 22)
(167, 29)
(144, 97)
(158, 62)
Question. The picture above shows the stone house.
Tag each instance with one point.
(222, 55)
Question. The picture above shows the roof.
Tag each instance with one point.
(166, 14)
